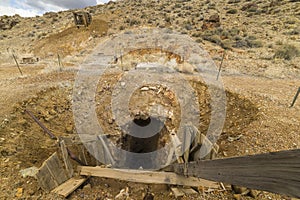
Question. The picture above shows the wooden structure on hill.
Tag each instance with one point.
(82, 19)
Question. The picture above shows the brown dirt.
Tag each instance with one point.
(70, 41)
(259, 89)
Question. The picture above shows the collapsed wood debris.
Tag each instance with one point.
(256, 172)
(58, 174)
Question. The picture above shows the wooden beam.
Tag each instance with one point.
(148, 177)
(69, 186)
(277, 172)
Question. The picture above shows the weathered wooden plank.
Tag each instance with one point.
(56, 169)
(177, 192)
(277, 172)
(51, 174)
(44, 179)
(177, 145)
(66, 158)
(146, 177)
(187, 140)
(69, 186)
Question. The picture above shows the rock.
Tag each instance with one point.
(214, 18)
(250, 7)
(19, 192)
(145, 89)
(186, 68)
(30, 192)
(32, 171)
(87, 187)
(124, 193)
(253, 193)
(237, 196)
(52, 112)
(239, 190)
(69, 128)
(212, 22)
(148, 196)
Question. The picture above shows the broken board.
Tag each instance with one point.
(69, 186)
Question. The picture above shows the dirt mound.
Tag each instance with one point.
(29, 146)
(70, 41)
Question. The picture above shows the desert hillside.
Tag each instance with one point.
(257, 42)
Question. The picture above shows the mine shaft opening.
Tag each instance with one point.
(157, 132)
(150, 126)
(142, 122)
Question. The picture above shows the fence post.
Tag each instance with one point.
(295, 98)
(17, 64)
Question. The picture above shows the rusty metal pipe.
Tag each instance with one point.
(47, 131)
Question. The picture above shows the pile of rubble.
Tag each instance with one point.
(7, 23)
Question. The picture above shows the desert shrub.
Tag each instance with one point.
(188, 27)
(177, 5)
(233, 1)
(196, 34)
(290, 21)
(121, 28)
(279, 42)
(287, 52)
(198, 40)
(226, 44)
(254, 43)
(293, 32)
(232, 11)
(134, 22)
(213, 38)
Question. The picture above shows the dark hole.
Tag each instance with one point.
(143, 145)
(142, 122)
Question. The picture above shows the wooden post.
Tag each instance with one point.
(66, 158)
(17, 64)
(221, 64)
(295, 98)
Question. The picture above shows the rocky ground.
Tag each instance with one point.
(261, 74)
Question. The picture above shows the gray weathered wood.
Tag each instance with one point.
(66, 158)
(277, 172)
(187, 140)
(51, 174)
